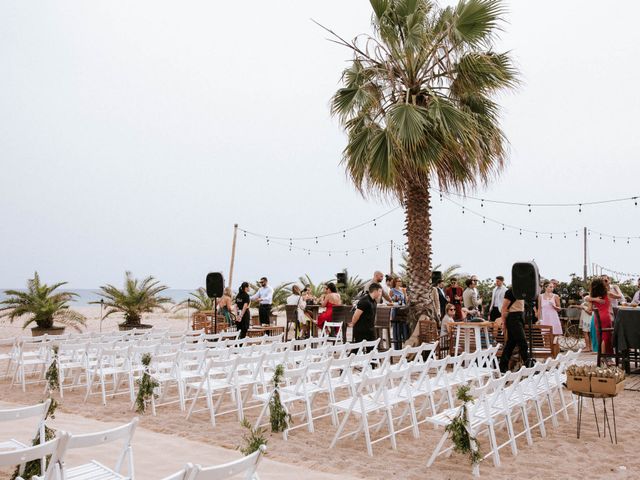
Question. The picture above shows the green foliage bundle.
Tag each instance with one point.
(280, 419)
(146, 384)
(458, 429)
(33, 467)
(253, 439)
(52, 376)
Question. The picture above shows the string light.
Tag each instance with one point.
(529, 208)
(533, 204)
(580, 209)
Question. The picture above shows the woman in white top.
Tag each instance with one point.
(586, 313)
(296, 299)
(448, 318)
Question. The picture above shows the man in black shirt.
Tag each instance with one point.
(364, 318)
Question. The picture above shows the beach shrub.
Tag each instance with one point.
(146, 384)
(42, 305)
(459, 428)
(253, 439)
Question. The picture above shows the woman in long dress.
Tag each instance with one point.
(599, 298)
(330, 299)
(548, 308)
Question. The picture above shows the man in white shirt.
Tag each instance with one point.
(378, 278)
(497, 298)
(264, 296)
(636, 296)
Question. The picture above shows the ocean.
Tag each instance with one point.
(87, 295)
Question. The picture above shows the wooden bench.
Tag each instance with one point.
(542, 338)
(260, 331)
(204, 321)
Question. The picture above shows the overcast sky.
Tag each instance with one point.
(134, 134)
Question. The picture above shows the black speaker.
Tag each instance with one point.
(215, 284)
(341, 280)
(436, 277)
(525, 280)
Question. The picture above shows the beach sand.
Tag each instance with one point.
(166, 442)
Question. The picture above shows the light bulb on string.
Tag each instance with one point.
(346, 253)
(440, 196)
(244, 233)
(483, 220)
(627, 240)
(503, 227)
(463, 210)
(551, 236)
(565, 234)
(482, 202)
(344, 234)
(580, 208)
(536, 234)
(520, 232)
(316, 240)
(600, 236)
(614, 239)
(635, 201)
(529, 208)
(374, 223)
(267, 241)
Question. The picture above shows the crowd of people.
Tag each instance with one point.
(456, 304)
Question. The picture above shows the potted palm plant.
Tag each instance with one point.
(199, 301)
(134, 300)
(42, 305)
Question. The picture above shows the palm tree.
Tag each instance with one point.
(199, 301)
(135, 299)
(351, 289)
(418, 107)
(41, 305)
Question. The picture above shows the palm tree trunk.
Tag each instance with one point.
(417, 204)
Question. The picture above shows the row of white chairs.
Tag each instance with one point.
(503, 400)
(31, 356)
(52, 454)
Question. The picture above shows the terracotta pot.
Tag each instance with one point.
(141, 326)
(39, 331)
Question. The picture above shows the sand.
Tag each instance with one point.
(165, 442)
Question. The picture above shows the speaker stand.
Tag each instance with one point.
(215, 315)
(528, 309)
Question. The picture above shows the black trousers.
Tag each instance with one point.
(264, 310)
(494, 314)
(243, 325)
(515, 336)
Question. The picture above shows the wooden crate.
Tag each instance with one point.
(606, 385)
(578, 383)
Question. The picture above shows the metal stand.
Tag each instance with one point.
(528, 309)
(606, 422)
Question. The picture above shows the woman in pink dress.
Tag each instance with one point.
(548, 308)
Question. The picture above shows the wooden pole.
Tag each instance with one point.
(391, 259)
(233, 254)
(584, 234)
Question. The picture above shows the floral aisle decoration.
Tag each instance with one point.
(460, 431)
(280, 418)
(146, 384)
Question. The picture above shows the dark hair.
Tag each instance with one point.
(546, 284)
(598, 288)
(468, 282)
(374, 286)
(264, 278)
(243, 285)
(500, 277)
(394, 282)
(332, 287)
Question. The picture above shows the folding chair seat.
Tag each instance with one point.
(8, 351)
(217, 380)
(94, 470)
(432, 380)
(165, 370)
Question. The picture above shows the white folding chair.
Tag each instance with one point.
(94, 470)
(53, 449)
(332, 332)
(31, 357)
(370, 398)
(70, 361)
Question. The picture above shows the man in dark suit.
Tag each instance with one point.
(442, 298)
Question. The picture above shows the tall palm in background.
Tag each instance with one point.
(418, 109)
(198, 300)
